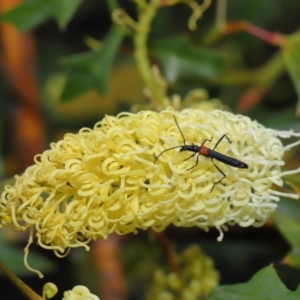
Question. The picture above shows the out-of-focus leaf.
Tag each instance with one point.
(76, 84)
(91, 70)
(31, 13)
(65, 11)
(288, 228)
(125, 89)
(291, 54)
(14, 259)
(181, 59)
(264, 285)
(293, 258)
(287, 206)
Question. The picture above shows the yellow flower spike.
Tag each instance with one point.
(196, 276)
(104, 180)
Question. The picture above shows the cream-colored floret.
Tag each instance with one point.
(79, 292)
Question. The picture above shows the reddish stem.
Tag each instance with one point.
(168, 253)
(275, 39)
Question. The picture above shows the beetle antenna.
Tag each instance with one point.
(165, 151)
(179, 129)
(175, 146)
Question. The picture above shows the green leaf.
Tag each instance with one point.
(91, 70)
(288, 228)
(293, 258)
(30, 13)
(291, 55)
(264, 285)
(65, 11)
(76, 84)
(181, 59)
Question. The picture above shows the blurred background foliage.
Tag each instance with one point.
(70, 66)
